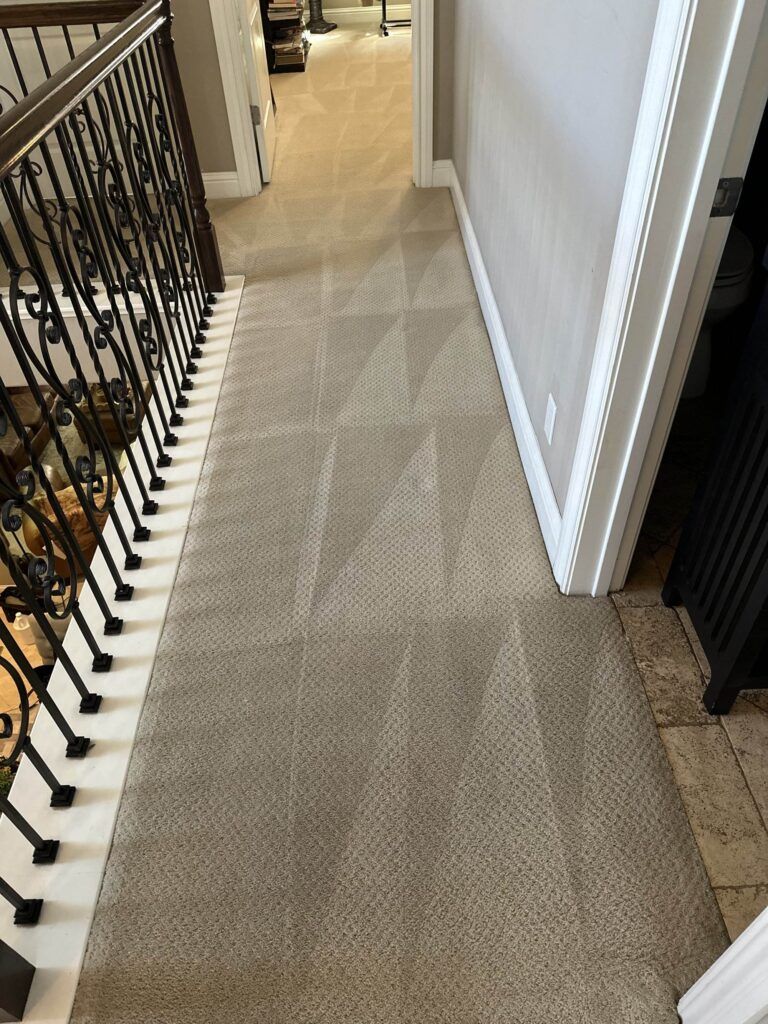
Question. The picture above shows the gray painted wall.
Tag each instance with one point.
(545, 104)
(201, 75)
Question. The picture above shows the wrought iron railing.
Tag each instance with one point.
(110, 272)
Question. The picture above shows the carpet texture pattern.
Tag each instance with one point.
(385, 772)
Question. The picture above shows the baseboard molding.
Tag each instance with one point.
(366, 15)
(536, 473)
(442, 174)
(71, 886)
(222, 185)
(735, 989)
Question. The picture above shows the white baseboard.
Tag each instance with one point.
(536, 473)
(222, 185)
(735, 989)
(366, 15)
(70, 887)
(442, 174)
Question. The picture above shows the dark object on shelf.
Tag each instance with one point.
(317, 23)
(388, 23)
(720, 571)
(16, 976)
(13, 456)
(285, 41)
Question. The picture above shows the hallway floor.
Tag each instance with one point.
(385, 773)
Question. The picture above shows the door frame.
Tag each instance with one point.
(423, 72)
(226, 30)
(698, 70)
(735, 989)
(225, 18)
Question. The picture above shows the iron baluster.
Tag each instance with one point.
(70, 400)
(136, 277)
(174, 181)
(206, 298)
(133, 155)
(61, 796)
(167, 273)
(77, 746)
(25, 359)
(112, 624)
(27, 911)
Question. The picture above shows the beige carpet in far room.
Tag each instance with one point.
(385, 772)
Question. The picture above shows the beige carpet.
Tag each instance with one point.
(385, 773)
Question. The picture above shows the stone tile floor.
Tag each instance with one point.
(720, 764)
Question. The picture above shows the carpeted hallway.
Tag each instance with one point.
(385, 772)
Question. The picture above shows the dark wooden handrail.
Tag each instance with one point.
(29, 121)
(73, 12)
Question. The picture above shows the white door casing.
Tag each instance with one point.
(225, 15)
(750, 113)
(259, 88)
(423, 61)
(735, 989)
(696, 77)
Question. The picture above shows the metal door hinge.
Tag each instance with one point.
(727, 197)
(255, 116)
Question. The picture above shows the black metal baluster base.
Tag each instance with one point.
(63, 796)
(28, 914)
(78, 747)
(90, 705)
(47, 853)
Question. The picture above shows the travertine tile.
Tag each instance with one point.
(695, 643)
(757, 697)
(740, 907)
(724, 817)
(668, 668)
(747, 728)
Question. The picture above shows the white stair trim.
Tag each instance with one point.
(70, 886)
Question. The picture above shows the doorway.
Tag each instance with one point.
(264, 49)
(729, 326)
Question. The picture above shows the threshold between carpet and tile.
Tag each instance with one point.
(385, 772)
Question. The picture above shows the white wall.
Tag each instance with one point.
(546, 97)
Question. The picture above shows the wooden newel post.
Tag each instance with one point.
(15, 982)
(205, 233)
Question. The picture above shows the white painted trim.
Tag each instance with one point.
(540, 486)
(423, 49)
(222, 185)
(737, 162)
(366, 15)
(226, 29)
(735, 989)
(442, 173)
(71, 886)
(687, 114)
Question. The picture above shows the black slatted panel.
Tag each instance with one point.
(720, 572)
